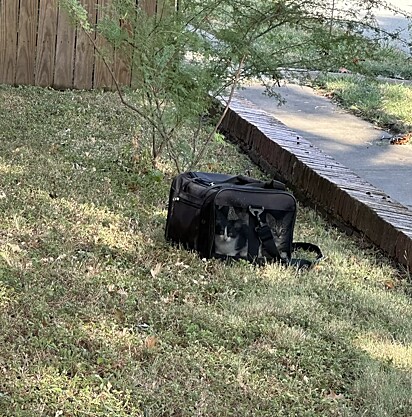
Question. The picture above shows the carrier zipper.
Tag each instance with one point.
(184, 201)
(200, 180)
(204, 182)
(254, 190)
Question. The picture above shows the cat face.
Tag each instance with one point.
(228, 231)
(230, 236)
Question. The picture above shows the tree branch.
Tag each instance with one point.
(222, 116)
(117, 86)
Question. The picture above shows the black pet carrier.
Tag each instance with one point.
(235, 217)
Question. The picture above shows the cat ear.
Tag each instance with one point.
(270, 220)
(242, 214)
(223, 211)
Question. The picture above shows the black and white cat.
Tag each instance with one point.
(230, 236)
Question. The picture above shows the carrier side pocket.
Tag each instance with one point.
(183, 222)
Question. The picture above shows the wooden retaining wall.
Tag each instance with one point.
(38, 46)
(320, 180)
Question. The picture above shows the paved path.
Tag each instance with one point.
(351, 141)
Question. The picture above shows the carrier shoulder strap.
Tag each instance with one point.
(268, 242)
(307, 247)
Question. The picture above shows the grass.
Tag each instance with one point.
(386, 104)
(99, 316)
(388, 61)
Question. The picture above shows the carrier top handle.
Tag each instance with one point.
(252, 182)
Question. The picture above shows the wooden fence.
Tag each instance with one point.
(38, 46)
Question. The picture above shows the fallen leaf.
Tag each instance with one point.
(155, 271)
(150, 342)
(389, 284)
(123, 293)
(401, 139)
(14, 248)
(133, 188)
(119, 315)
(333, 396)
(182, 264)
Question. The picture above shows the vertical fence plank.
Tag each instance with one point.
(3, 33)
(122, 69)
(46, 43)
(164, 7)
(63, 71)
(8, 40)
(84, 56)
(102, 77)
(26, 48)
(123, 61)
(149, 6)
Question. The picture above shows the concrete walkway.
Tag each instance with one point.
(358, 145)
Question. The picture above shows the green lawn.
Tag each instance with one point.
(99, 316)
(388, 105)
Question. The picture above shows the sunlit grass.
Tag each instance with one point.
(387, 350)
(100, 316)
(388, 105)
